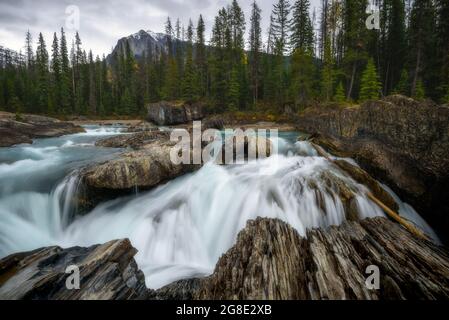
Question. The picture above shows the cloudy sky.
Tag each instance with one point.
(103, 22)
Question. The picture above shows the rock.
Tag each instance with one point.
(214, 122)
(138, 170)
(134, 141)
(399, 141)
(171, 113)
(142, 169)
(142, 126)
(362, 177)
(107, 272)
(271, 261)
(22, 129)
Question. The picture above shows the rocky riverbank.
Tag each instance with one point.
(22, 129)
(269, 261)
(400, 141)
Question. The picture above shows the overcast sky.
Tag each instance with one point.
(103, 22)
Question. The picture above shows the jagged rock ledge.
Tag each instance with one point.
(22, 129)
(145, 166)
(269, 261)
(107, 272)
(399, 141)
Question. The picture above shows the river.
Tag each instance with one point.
(180, 228)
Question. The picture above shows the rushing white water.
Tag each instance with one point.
(180, 228)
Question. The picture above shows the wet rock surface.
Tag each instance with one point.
(22, 129)
(147, 166)
(172, 113)
(400, 141)
(135, 141)
(270, 260)
(107, 272)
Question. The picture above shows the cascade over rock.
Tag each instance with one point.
(400, 141)
(270, 260)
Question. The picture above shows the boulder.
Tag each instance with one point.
(142, 169)
(22, 129)
(135, 141)
(271, 261)
(142, 126)
(107, 272)
(172, 113)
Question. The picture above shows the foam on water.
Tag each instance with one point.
(181, 228)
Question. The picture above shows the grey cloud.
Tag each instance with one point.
(104, 22)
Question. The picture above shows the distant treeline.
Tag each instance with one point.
(309, 58)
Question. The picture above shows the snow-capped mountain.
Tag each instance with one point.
(142, 43)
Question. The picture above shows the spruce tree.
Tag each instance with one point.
(355, 36)
(423, 44)
(280, 25)
(200, 57)
(189, 80)
(442, 59)
(302, 29)
(42, 76)
(327, 72)
(255, 43)
(56, 73)
(403, 86)
(66, 93)
(420, 93)
(340, 96)
(370, 85)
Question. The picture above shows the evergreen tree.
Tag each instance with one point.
(403, 86)
(423, 44)
(370, 85)
(393, 46)
(92, 85)
(42, 76)
(327, 72)
(56, 73)
(420, 93)
(279, 29)
(29, 80)
(303, 74)
(302, 30)
(189, 82)
(340, 96)
(66, 93)
(200, 58)
(442, 45)
(255, 43)
(234, 90)
(354, 41)
(280, 26)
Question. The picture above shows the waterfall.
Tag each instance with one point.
(180, 229)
